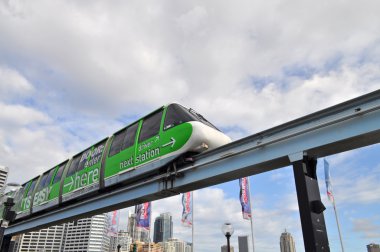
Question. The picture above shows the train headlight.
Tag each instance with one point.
(202, 147)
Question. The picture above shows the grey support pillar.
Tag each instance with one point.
(310, 206)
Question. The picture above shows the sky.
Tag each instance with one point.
(74, 72)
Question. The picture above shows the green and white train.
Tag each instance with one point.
(140, 149)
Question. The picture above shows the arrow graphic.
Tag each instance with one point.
(172, 142)
(70, 184)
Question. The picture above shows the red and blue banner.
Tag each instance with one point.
(245, 198)
(143, 215)
(328, 181)
(113, 223)
(187, 212)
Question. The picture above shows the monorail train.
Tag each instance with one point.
(138, 150)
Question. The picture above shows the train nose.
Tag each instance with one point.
(211, 138)
(217, 139)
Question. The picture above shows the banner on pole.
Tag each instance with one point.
(143, 215)
(113, 223)
(328, 181)
(187, 212)
(245, 198)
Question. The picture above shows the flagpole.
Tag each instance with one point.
(192, 220)
(150, 223)
(337, 223)
(117, 229)
(331, 197)
(135, 226)
(250, 205)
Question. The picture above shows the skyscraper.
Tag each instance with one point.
(132, 225)
(89, 234)
(243, 243)
(137, 233)
(287, 242)
(163, 228)
(47, 239)
(3, 176)
(373, 247)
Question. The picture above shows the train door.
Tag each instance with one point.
(149, 142)
(121, 156)
(19, 197)
(47, 193)
(26, 201)
(56, 183)
(84, 172)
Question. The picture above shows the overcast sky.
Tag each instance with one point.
(74, 72)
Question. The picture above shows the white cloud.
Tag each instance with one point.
(12, 84)
(197, 53)
(17, 115)
(367, 227)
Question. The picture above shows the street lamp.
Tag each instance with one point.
(6, 203)
(228, 230)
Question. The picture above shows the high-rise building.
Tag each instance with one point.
(225, 249)
(137, 233)
(113, 244)
(373, 247)
(3, 176)
(132, 226)
(89, 234)
(287, 242)
(124, 240)
(175, 245)
(48, 239)
(163, 228)
(243, 243)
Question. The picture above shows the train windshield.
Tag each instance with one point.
(202, 119)
(176, 114)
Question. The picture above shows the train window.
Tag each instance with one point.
(151, 126)
(93, 156)
(58, 175)
(129, 139)
(87, 158)
(117, 142)
(42, 181)
(176, 115)
(31, 187)
(73, 166)
(20, 194)
(48, 179)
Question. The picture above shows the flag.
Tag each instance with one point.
(328, 181)
(143, 215)
(113, 223)
(244, 198)
(187, 202)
